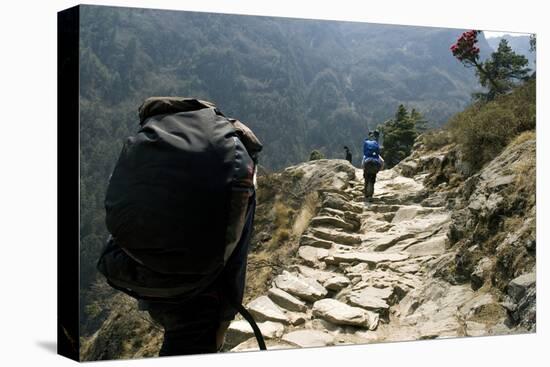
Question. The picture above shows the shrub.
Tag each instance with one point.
(436, 139)
(315, 155)
(484, 129)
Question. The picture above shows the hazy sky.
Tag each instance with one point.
(491, 34)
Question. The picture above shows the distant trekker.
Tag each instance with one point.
(348, 154)
(180, 209)
(372, 162)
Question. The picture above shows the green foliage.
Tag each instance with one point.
(93, 310)
(420, 123)
(315, 155)
(501, 72)
(400, 133)
(484, 129)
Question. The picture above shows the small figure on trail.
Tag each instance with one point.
(348, 154)
(372, 162)
(180, 209)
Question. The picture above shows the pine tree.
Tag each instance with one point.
(420, 124)
(499, 73)
(399, 136)
(505, 67)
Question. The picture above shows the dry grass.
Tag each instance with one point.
(284, 217)
(308, 211)
(436, 139)
(526, 173)
(523, 137)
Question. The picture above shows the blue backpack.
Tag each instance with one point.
(371, 156)
(371, 150)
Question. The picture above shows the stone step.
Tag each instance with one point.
(312, 256)
(371, 258)
(369, 302)
(384, 208)
(286, 300)
(304, 288)
(330, 211)
(340, 313)
(309, 338)
(350, 217)
(380, 293)
(339, 203)
(321, 276)
(329, 221)
(389, 240)
(240, 331)
(336, 236)
(308, 240)
(264, 309)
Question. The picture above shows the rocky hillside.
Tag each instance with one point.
(438, 253)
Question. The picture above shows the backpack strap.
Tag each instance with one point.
(248, 317)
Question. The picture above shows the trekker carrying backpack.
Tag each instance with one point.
(180, 209)
(372, 162)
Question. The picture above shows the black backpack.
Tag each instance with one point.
(177, 199)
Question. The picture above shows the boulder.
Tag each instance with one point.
(518, 286)
(476, 304)
(481, 273)
(408, 168)
(263, 309)
(297, 318)
(339, 313)
(286, 300)
(305, 288)
(323, 174)
(336, 283)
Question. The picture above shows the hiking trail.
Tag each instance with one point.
(365, 273)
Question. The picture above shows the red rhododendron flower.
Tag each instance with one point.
(464, 49)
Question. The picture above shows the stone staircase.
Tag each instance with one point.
(364, 273)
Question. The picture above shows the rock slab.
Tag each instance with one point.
(305, 288)
(341, 314)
